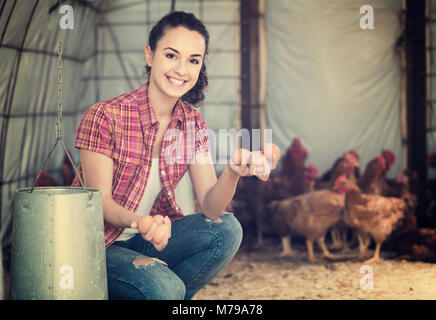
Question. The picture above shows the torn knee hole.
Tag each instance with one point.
(142, 262)
(146, 261)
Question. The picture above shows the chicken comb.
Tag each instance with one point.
(389, 156)
(313, 170)
(298, 151)
(355, 154)
(352, 158)
(296, 142)
(340, 179)
(381, 159)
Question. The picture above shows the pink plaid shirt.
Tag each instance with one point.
(124, 129)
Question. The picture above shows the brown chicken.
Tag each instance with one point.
(293, 167)
(289, 182)
(369, 183)
(347, 165)
(44, 180)
(372, 215)
(278, 219)
(400, 188)
(294, 152)
(389, 157)
(310, 215)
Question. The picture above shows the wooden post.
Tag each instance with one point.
(250, 70)
(416, 87)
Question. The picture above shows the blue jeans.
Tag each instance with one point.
(197, 250)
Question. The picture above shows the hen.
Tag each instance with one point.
(369, 183)
(45, 180)
(310, 215)
(347, 165)
(293, 167)
(371, 215)
(291, 181)
(278, 219)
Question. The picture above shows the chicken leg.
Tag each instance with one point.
(325, 251)
(287, 250)
(376, 257)
(309, 245)
(336, 238)
(364, 242)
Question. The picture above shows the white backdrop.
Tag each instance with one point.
(332, 84)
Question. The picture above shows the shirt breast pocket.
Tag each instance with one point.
(127, 171)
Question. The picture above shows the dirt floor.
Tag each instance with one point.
(262, 274)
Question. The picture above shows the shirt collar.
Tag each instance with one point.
(146, 113)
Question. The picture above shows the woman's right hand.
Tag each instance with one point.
(149, 235)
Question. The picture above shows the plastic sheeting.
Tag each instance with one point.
(332, 84)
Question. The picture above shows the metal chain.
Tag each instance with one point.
(59, 126)
(59, 119)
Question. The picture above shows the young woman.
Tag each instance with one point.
(135, 148)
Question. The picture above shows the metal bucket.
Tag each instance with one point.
(58, 249)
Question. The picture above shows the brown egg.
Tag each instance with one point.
(259, 162)
(159, 219)
(241, 156)
(145, 223)
(271, 150)
(160, 232)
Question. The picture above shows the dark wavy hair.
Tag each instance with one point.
(183, 19)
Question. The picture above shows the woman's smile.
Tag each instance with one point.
(176, 82)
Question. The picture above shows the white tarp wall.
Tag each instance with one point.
(332, 84)
(103, 57)
(29, 34)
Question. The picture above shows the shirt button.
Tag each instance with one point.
(169, 193)
(177, 208)
(162, 172)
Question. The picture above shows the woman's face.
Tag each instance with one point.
(176, 62)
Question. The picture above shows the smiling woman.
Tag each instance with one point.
(124, 143)
(201, 44)
(177, 62)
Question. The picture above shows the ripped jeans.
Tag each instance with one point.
(197, 250)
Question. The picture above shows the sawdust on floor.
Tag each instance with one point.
(263, 275)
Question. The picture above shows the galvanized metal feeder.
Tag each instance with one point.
(58, 249)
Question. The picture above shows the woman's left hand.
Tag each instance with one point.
(258, 166)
